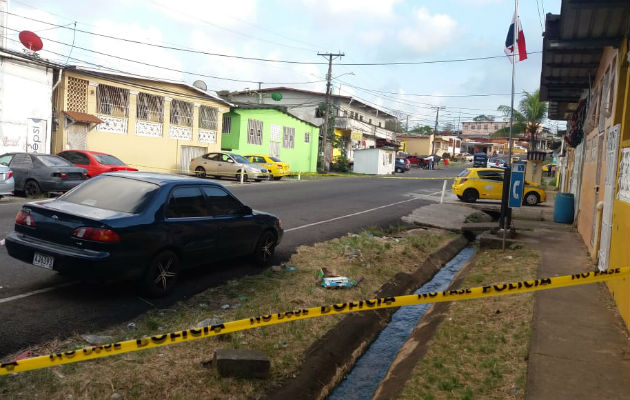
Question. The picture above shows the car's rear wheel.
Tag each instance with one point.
(32, 189)
(460, 197)
(200, 172)
(265, 248)
(277, 178)
(531, 199)
(470, 195)
(161, 274)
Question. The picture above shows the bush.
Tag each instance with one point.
(340, 164)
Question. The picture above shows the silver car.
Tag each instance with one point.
(224, 164)
(7, 183)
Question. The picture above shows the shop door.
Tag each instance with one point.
(77, 137)
(612, 148)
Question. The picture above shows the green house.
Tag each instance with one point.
(271, 130)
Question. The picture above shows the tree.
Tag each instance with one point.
(421, 130)
(527, 119)
(483, 117)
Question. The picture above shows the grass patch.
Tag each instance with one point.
(480, 350)
(176, 371)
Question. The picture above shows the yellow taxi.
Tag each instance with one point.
(487, 183)
(277, 167)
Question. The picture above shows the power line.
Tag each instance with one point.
(168, 68)
(176, 48)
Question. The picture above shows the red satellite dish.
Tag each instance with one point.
(31, 41)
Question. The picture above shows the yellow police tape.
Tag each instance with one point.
(99, 351)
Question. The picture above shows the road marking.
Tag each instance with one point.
(34, 292)
(351, 215)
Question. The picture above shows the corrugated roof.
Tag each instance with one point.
(83, 117)
(572, 47)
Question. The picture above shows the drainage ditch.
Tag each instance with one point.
(372, 366)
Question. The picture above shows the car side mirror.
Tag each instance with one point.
(247, 210)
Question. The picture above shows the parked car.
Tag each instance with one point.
(40, 173)
(467, 157)
(225, 164)
(402, 164)
(487, 183)
(480, 160)
(7, 183)
(154, 226)
(496, 163)
(274, 165)
(415, 160)
(95, 162)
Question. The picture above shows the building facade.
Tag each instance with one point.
(150, 124)
(482, 128)
(26, 87)
(592, 92)
(271, 130)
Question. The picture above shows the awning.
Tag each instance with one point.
(572, 46)
(83, 117)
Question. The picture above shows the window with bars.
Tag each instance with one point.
(227, 125)
(288, 137)
(181, 113)
(208, 117)
(254, 131)
(150, 107)
(112, 100)
(77, 94)
(307, 137)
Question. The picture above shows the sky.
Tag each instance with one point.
(366, 31)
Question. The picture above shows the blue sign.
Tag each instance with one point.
(517, 182)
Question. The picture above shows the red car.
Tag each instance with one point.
(94, 162)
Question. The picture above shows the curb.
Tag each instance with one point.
(332, 356)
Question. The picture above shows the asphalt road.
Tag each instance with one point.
(38, 305)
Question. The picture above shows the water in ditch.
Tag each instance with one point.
(371, 368)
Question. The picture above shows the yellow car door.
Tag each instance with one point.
(491, 184)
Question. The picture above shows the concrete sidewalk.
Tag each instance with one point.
(579, 347)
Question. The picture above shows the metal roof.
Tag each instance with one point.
(572, 47)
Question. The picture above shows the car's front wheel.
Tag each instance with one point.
(32, 189)
(238, 177)
(265, 249)
(531, 199)
(470, 195)
(161, 274)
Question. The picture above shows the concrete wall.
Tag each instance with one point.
(161, 153)
(25, 106)
(420, 145)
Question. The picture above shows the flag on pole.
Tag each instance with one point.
(516, 47)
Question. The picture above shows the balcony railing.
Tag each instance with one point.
(365, 128)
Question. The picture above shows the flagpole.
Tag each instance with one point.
(505, 210)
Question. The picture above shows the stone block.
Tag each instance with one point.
(242, 363)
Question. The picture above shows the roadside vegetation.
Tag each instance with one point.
(184, 371)
(480, 350)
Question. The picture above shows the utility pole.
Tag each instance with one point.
(330, 56)
(435, 131)
(259, 92)
(407, 124)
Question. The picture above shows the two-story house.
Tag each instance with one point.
(357, 123)
(152, 124)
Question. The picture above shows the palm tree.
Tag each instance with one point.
(527, 119)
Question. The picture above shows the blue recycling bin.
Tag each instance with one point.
(564, 208)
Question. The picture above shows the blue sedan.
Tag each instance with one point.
(145, 226)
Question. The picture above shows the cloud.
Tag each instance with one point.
(428, 31)
(226, 14)
(372, 37)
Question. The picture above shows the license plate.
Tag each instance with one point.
(44, 261)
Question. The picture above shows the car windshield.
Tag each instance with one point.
(106, 159)
(239, 159)
(54, 161)
(113, 193)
